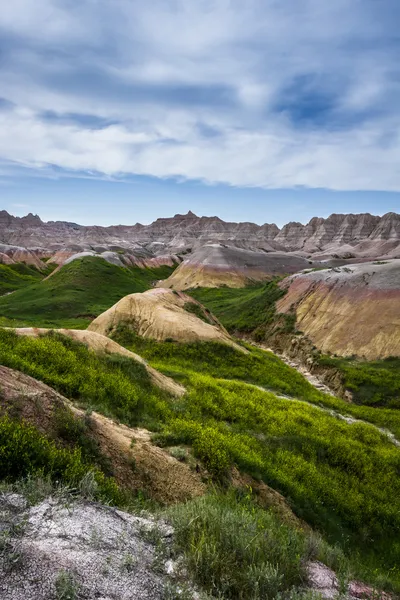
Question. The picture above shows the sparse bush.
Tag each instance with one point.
(178, 453)
(66, 586)
(235, 550)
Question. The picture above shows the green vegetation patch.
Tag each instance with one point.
(114, 385)
(343, 479)
(374, 383)
(17, 276)
(241, 309)
(199, 312)
(236, 550)
(76, 294)
(25, 452)
(247, 310)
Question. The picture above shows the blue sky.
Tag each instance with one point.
(118, 111)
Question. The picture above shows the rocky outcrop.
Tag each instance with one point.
(69, 549)
(183, 232)
(5, 259)
(162, 314)
(214, 265)
(18, 254)
(351, 310)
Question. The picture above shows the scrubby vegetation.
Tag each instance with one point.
(199, 312)
(252, 310)
(236, 550)
(343, 479)
(258, 367)
(17, 276)
(374, 383)
(25, 452)
(76, 294)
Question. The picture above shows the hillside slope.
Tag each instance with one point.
(77, 293)
(16, 276)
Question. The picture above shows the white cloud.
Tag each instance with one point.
(160, 72)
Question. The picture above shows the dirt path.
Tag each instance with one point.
(313, 379)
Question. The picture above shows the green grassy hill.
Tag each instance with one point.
(14, 277)
(76, 294)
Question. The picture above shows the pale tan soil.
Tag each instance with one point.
(160, 314)
(100, 343)
(6, 260)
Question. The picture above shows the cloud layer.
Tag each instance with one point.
(244, 92)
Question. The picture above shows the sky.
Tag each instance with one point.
(122, 111)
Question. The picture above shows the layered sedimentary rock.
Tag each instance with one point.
(214, 265)
(348, 310)
(17, 254)
(161, 314)
(365, 234)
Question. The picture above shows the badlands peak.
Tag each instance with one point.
(362, 235)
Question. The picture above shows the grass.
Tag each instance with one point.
(76, 294)
(342, 479)
(18, 276)
(66, 586)
(252, 310)
(236, 550)
(111, 384)
(374, 383)
(26, 452)
(259, 368)
(199, 312)
(242, 309)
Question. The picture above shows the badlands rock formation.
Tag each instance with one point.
(162, 314)
(214, 265)
(362, 235)
(348, 310)
(10, 255)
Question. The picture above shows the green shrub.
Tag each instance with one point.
(374, 383)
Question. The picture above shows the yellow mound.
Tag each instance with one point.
(100, 343)
(348, 310)
(162, 314)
